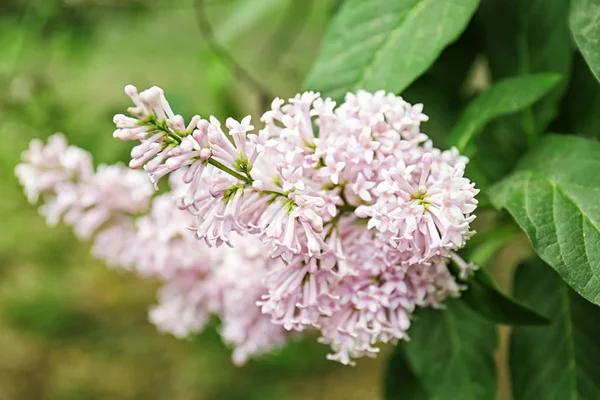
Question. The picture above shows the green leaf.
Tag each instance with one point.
(288, 31)
(521, 38)
(399, 381)
(453, 67)
(484, 297)
(451, 352)
(553, 195)
(505, 97)
(244, 15)
(558, 361)
(584, 23)
(385, 44)
(582, 101)
(441, 108)
(439, 88)
(529, 37)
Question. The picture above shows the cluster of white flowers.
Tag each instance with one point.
(342, 219)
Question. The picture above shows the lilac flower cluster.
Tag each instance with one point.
(114, 206)
(86, 199)
(342, 219)
(362, 209)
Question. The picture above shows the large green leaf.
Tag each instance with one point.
(585, 25)
(400, 382)
(385, 44)
(451, 353)
(554, 196)
(527, 37)
(484, 297)
(558, 361)
(505, 97)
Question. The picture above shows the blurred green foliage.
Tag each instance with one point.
(70, 328)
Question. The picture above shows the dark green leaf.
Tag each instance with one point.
(440, 108)
(521, 37)
(452, 68)
(581, 103)
(484, 297)
(528, 37)
(439, 89)
(451, 351)
(385, 44)
(400, 382)
(585, 25)
(506, 97)
(557, 361)
(554, 196)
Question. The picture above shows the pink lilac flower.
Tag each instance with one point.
(362, 187)
(312, 169)
(182, 308)
(84, 199)
(112, 206)
(240, 277)
(340, 219)
(45, 167)
(231, 182)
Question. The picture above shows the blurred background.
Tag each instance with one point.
(70, 328)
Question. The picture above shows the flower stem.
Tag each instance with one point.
(231, 172)
(343, 195)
